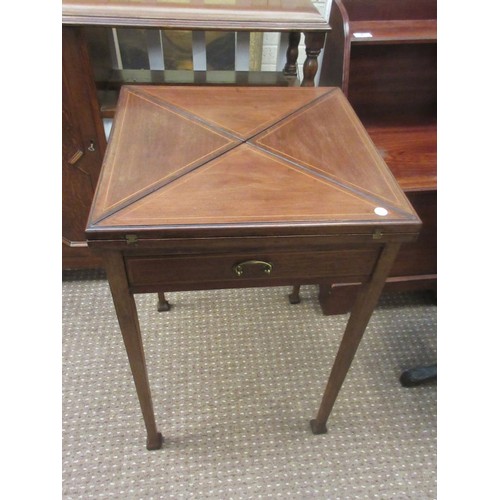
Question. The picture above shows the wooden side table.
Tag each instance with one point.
(299, 16)
(207, 187)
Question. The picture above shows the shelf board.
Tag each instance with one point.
(410, 152)
(404, 31)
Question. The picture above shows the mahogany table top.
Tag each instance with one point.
(242, 161)
(237, 15)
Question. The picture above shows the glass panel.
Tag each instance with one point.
(177, 49)
(133, 48)
(220, 50)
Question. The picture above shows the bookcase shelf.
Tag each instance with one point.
(383, 54)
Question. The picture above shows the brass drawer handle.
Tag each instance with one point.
(267, 267)
(74, 159)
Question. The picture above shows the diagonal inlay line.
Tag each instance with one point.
(359, 193)
(215, 124)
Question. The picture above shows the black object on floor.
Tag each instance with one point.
(418, 375)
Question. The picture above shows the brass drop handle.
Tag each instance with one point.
(74, 159)
(267, 267)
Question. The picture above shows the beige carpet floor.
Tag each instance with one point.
(236, 376)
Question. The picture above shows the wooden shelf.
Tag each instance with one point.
(410, 153)
(401, 31)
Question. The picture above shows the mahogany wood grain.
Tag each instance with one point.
(219, 108)
(410, 152)
(286, 266)
(293, 178)
(260, 213)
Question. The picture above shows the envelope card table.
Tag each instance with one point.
(211, 187)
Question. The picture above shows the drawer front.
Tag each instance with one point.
(251, 269)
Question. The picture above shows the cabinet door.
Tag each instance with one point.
(83, 145)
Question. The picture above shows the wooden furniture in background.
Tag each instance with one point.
(80, 17)
(83, 146)
(210, 187)
(382, 53)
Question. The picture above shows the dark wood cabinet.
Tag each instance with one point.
(383, 54)
(83, 145)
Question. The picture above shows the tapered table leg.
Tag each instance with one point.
(126, 313)
(362, 310)
(163, 304)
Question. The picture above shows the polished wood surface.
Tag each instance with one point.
(229, 110)
(268, 210)
(410, 152)
(300, 172)
(345, 263)
(251, 15)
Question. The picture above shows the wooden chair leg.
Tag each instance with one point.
(163, 304)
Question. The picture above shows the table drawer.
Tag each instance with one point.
(251, 269)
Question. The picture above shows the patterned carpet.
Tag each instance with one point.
(236, 375)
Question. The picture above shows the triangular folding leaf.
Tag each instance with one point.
(243, 112)
(162, 144)
(328, 138)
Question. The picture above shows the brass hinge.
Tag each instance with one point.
(377, 234)
(131, 239)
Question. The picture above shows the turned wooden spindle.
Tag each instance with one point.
(292, 54)
(314, 43)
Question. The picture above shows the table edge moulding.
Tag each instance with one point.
(198, 193)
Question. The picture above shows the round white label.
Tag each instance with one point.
(381, 211)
